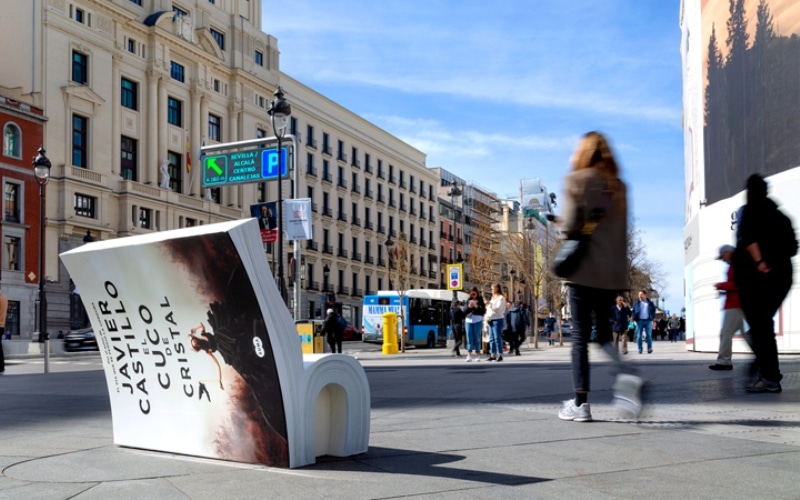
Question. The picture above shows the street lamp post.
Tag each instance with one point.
(511, 290)
(279, 111)
(41, 172)
(326, 273)
(453, 192)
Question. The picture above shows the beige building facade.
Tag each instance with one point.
(133, 88)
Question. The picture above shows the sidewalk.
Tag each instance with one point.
(441, 428)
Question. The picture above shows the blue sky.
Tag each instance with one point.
(501, 91)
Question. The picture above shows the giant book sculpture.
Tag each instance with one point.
(202, 357)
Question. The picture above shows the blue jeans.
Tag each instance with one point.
(647, 326)
(474, 336)
(496, 337)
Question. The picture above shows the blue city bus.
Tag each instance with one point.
(426, 312)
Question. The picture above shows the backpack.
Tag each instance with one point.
(342, 324)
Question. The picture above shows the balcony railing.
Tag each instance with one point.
(327, 212)
(381, 262)
(312, 245)
(369, 259)
(328, 249)
(312, 285)
(355, 221)
(343, 290)
(355, 256)
(368, 225)
(342, 217)
(326, 177)
(342, 253)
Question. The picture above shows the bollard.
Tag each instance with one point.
(389, 333)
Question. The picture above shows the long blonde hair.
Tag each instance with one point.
(594, 151)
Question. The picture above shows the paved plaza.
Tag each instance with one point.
(440, 428)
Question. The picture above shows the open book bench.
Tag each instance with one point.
(202, 357)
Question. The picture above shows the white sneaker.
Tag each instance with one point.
(469, 358)
(628, 394)
(570, 411)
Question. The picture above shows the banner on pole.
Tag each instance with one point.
(298, 219)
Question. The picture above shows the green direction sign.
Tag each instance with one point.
(532, 212)
(256, 165)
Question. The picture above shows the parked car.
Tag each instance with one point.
(350, 332)
(80, 340)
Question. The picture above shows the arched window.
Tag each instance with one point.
(12, 139)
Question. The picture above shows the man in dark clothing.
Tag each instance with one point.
(333, 330)
(763, 263)
(457, 326)
(620, 316)
(549, 328)
(518, 322)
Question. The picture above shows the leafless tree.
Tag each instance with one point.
(400, 271)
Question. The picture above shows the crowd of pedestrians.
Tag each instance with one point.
(759, 276)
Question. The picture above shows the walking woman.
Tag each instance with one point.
(594, 194)
(496, 318)
(473, 323)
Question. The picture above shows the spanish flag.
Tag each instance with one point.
(188, 153)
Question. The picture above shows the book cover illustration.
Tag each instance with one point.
(187, 355)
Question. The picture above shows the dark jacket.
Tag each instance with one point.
(331, 327)
(619, 318)
(480, 308)
(517, 319)
(637, 307)
(457, 317)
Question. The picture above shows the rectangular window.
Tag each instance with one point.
(128, 158)
(145, 218)
(131, 46)
(214, 127)
(12, 202)
(79, 15)
(175, 170)
(11, 253)
(12, 318)
(174, 112)
(326, 145)
(80, 67)
(85, 206)
(176, 71)
(179, 12)
(219, 37)
(80, 134)
(310, 136)
(129, 94)
(216, 195)
(259, 58)
(137, 2)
